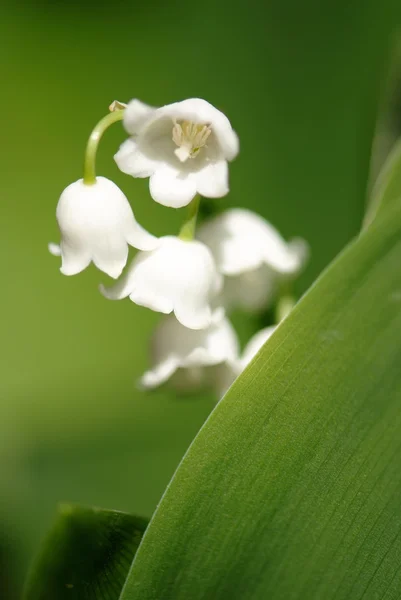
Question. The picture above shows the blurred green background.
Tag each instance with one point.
(301, 83)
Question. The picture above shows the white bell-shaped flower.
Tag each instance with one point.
(254, 345)
(190, 359)
(183, 147)
(252, 291)
(224, 375)
(229, 372)
(96, 224)
(252, 255)
(178, 276)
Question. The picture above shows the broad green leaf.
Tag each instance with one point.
(86, 556)
(387, 189)
(292, 489)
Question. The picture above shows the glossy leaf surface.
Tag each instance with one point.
(292, 489)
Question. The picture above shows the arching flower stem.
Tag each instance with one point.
(93, 143)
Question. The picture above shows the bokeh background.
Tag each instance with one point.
(302, 83)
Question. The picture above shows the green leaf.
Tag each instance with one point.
(387, 189)
(86, 556)
(292, 489)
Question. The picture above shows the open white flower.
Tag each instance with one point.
(179, 276)
(252, 255)
(183, 147)
(190, 359)
(96, 224)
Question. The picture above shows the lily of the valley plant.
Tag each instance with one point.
(236, 259)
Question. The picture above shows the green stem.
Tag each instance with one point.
(187, 231)
(93, 143)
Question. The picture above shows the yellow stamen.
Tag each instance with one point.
(190, 138)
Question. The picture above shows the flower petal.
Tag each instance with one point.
(223, 375)
(73, 260)
(158, 303)
(212, 180)
(172, 188)
(140, 238)
(136, 114)
(255, 344)
(141, 295)
(300, 251)
(193, 317)
(229, 142)
(111, 258)
(159, 374)
(194, 348)
(146, 282)
(132, 161)
(287, 259)
(235, 240)
(191, 353)
(251, 291)
(121, 289)
(54, 249)
(241, 240)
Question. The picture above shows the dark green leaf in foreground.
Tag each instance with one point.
(86, 556)
(292, 489)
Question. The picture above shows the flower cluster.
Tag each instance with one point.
(234, 260)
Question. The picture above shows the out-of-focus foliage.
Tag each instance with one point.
(86, 555)
(300, 83)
